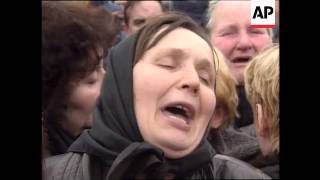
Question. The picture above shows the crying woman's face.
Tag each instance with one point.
(174, 92)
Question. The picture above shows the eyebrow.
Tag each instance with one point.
(228, 27)
(180, 53)
(176, 53)
(204, 64)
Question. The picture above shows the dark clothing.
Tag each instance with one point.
(114, 147)
(269, 165)
(195, 9)
(76, 166)
(241, 145)
(59, 140)
(244, 109)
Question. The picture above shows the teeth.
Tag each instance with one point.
(185, 110)
(180, 107)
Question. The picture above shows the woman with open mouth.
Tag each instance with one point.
(153, 116)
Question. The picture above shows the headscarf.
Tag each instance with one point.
(115, 137)
(58, 139)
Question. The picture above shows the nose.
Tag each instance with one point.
(190, 81)
(244, 42)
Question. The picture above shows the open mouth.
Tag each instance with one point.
(181, 111)
(241, 60)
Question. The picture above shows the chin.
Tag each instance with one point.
(176, 149)
(239, 79)
(174, 154)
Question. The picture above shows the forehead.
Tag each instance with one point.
(231, 12)
(146, 9)
(187, 41)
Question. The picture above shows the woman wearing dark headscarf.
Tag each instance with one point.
(154, 112)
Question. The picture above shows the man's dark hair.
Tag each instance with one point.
(129, 6)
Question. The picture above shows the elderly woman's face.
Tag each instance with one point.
(174, 92)
(235, 38)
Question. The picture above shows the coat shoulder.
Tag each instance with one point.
(66, 166)
(226, 167)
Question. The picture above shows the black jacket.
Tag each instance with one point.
(243, 145)
(59, 139)
(76, 166)
(244, 109)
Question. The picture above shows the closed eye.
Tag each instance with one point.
(227, 33)
(205, 77)
(228, 30)
(91, 82)
(205, 80)
(167, 62)
(166, 66)
(92, 78)
(139, 22)
(205, 72)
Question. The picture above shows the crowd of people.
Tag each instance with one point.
(158, 90)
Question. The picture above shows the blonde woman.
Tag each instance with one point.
(223, 136)
(262, 89)
(226, 93)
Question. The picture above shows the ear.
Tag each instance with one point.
(261, 124)
(217, 118)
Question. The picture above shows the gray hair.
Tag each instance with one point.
(212, 6)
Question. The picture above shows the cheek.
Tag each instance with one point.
(142, 89)
(85, 97)
(141, 92)
(149, 83)
(225, 45)
(145, 95)
(262, 42)
(133, 27)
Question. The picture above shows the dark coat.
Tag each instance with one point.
(59, 139)
(243, 144)
(195, 9)
(244, 109)
(76, 166)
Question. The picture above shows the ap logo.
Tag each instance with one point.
(263, 13)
